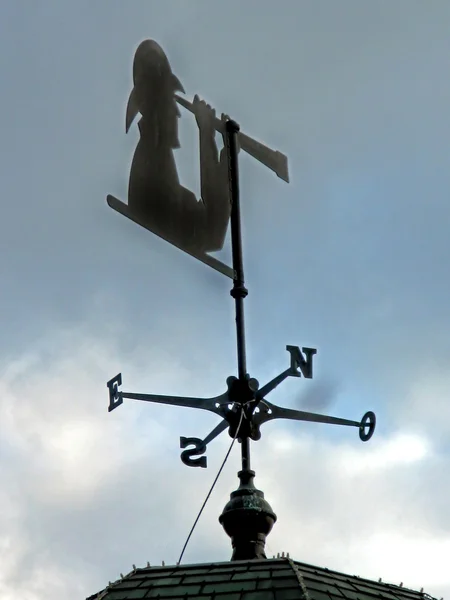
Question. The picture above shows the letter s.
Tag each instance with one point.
(199, 449)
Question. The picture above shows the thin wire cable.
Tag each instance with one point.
(212, 487)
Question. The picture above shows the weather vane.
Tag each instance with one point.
(158, 202)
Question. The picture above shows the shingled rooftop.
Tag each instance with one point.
(264, 579)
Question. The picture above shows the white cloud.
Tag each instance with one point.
(359, 508)
(427, 399)
(422, 558)
(89, 492)
(399, 449)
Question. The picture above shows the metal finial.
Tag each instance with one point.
(247, 518)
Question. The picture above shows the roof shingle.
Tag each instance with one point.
(271, 579)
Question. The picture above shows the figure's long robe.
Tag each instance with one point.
(161, 204)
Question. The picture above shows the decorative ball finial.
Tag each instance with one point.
(247, 518)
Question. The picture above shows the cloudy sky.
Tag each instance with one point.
(352, 257)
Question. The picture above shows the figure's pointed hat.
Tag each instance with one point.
(152, 76)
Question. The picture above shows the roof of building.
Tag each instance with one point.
(263, 579)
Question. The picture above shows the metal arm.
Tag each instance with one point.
(301, 364)
(204, 403)
(269, 411)
(116, 398)
(216, 431)
(269, 387)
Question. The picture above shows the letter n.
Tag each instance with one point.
(301, 361)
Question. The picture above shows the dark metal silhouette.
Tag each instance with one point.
(272, 159)
(242, 393)
(157, 201)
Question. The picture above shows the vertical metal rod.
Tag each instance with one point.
(245, 453)
(239, 291)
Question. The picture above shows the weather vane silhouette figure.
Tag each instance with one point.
(155, 194)
(158, 202)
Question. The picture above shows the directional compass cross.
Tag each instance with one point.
(157, 202)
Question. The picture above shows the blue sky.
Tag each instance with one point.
(351, 258)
